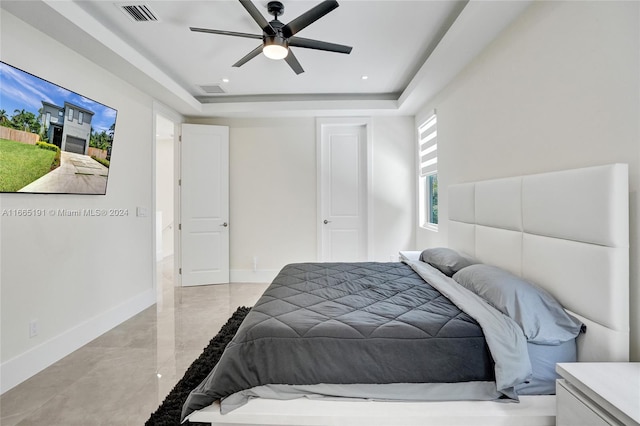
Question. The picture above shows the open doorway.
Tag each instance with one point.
(166, 135)
(165, 181)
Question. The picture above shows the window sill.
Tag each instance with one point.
(430, 227)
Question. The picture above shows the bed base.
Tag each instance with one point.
(537, 410)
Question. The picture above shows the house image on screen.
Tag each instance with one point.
(68, 127)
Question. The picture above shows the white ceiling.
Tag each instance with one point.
(407, 49)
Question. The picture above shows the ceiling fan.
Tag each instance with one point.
(278, 37)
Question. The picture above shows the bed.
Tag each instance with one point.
(565, 231)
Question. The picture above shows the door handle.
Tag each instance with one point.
(326, 221)
(225, 224)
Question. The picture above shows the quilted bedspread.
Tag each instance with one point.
(342, 323)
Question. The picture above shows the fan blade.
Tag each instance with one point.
(293, 62)
(319, 45)
(257, 16)
(249, 56)
(309, 17)
(229, 33)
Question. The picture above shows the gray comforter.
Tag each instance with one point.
(367, 324)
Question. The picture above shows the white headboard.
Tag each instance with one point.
(567, 232)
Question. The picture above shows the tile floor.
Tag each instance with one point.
(121, 377)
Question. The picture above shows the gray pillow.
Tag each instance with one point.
(541, 317)
(447, 260)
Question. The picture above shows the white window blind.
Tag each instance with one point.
(428, 146)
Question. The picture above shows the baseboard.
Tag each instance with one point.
(20, 368)
(250, 276)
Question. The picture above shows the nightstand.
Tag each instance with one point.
(598, 393)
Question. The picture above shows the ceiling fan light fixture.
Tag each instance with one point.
(275, 48)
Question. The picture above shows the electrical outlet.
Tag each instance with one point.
(33, 328)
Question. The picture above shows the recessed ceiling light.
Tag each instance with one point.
(225, 80)
(365, 77)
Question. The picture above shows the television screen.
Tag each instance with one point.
(52, 140)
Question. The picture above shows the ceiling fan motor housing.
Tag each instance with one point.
(277, 39)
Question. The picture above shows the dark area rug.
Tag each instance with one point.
(168, 414)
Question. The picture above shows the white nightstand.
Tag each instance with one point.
(598, 393)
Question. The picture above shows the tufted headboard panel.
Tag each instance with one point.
(565, 231)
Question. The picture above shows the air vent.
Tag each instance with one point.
(139, 12)
(212, 89)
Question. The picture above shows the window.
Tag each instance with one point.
(80, 117)
(433, 198)
(70, 114)
(428, 163)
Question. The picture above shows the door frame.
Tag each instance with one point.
(177, 119)
(322, 124)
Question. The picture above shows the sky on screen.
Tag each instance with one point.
(20, 90)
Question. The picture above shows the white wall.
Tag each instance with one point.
(78, 276)
(558, 90)
(273, 191)
(394, 192)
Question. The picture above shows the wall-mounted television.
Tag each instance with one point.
(52, 140)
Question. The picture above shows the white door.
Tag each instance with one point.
(343, 178)
(204, 204)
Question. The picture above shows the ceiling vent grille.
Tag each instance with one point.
(139, 12)
(212, 89)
